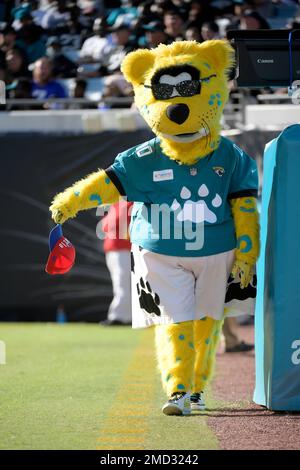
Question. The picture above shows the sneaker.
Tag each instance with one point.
(197, 402)
(178, 404)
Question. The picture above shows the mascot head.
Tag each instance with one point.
(181, 90)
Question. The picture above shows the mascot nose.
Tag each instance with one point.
(178, 113)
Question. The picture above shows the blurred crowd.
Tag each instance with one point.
(62, 49)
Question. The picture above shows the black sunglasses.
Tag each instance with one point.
(164, 91)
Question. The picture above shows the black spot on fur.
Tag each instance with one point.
(234, 290)
(149, 300)
(132, 262)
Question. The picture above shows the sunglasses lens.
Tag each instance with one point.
(188, 88)
(162, 91)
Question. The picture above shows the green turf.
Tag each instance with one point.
(59, 384)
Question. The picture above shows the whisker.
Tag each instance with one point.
(206, 132)
(209, 134)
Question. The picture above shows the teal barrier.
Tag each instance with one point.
(277, 318)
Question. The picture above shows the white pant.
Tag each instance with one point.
(118, 263)
(170, 289)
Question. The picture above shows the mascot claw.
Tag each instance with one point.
(244, 271)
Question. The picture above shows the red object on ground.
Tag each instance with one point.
(115, 224)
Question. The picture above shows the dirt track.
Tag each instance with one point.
(246, 425)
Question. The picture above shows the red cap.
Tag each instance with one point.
(62, 253)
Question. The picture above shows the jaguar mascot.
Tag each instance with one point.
(194, 223)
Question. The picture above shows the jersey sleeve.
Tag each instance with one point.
(130, 176)
(244, 178)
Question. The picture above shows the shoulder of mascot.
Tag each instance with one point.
(141, 152)
(230, 146)
(232, 151)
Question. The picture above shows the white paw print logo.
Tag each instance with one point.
(196, 211)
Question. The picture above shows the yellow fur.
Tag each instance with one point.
(210, 57)
(84, 194)
(175, 356)
(246, 221)
(186, 354)
(206, 336)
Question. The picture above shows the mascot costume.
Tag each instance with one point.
(198, 180)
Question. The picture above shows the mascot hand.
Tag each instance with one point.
(60, 212)
(242, 270)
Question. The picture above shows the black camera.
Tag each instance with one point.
(266, 58)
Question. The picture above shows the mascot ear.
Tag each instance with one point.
(136, 64)
(220, 53)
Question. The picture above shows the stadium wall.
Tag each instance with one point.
(78, 121)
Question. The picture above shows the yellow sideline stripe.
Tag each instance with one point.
(126, 423)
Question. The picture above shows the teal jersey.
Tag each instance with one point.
(184, 210)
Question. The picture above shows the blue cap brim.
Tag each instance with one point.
(55, 234)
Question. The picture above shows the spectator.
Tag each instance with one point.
(96, 48)
(155, 34)
(31, 42)
(62, 67)
(264, 8)
(56, 19)
(87, 16)
(122, 44)
(148, 11)
(79, 88)
(115, 86)
(75, 25)
(20, 89)
(16, 65)
(183, 8)
(201, 11)
(251, 19)
(8, 38)
(21, 15)
(173, 25)
(210, 30)
(36, 12)
(232, 341)
(240, 6)
(192, 32)
(97, 6)
(152, 10)
(79, 91)
(127, 10)
(43, 86)
(117, 254)
(294, 24)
